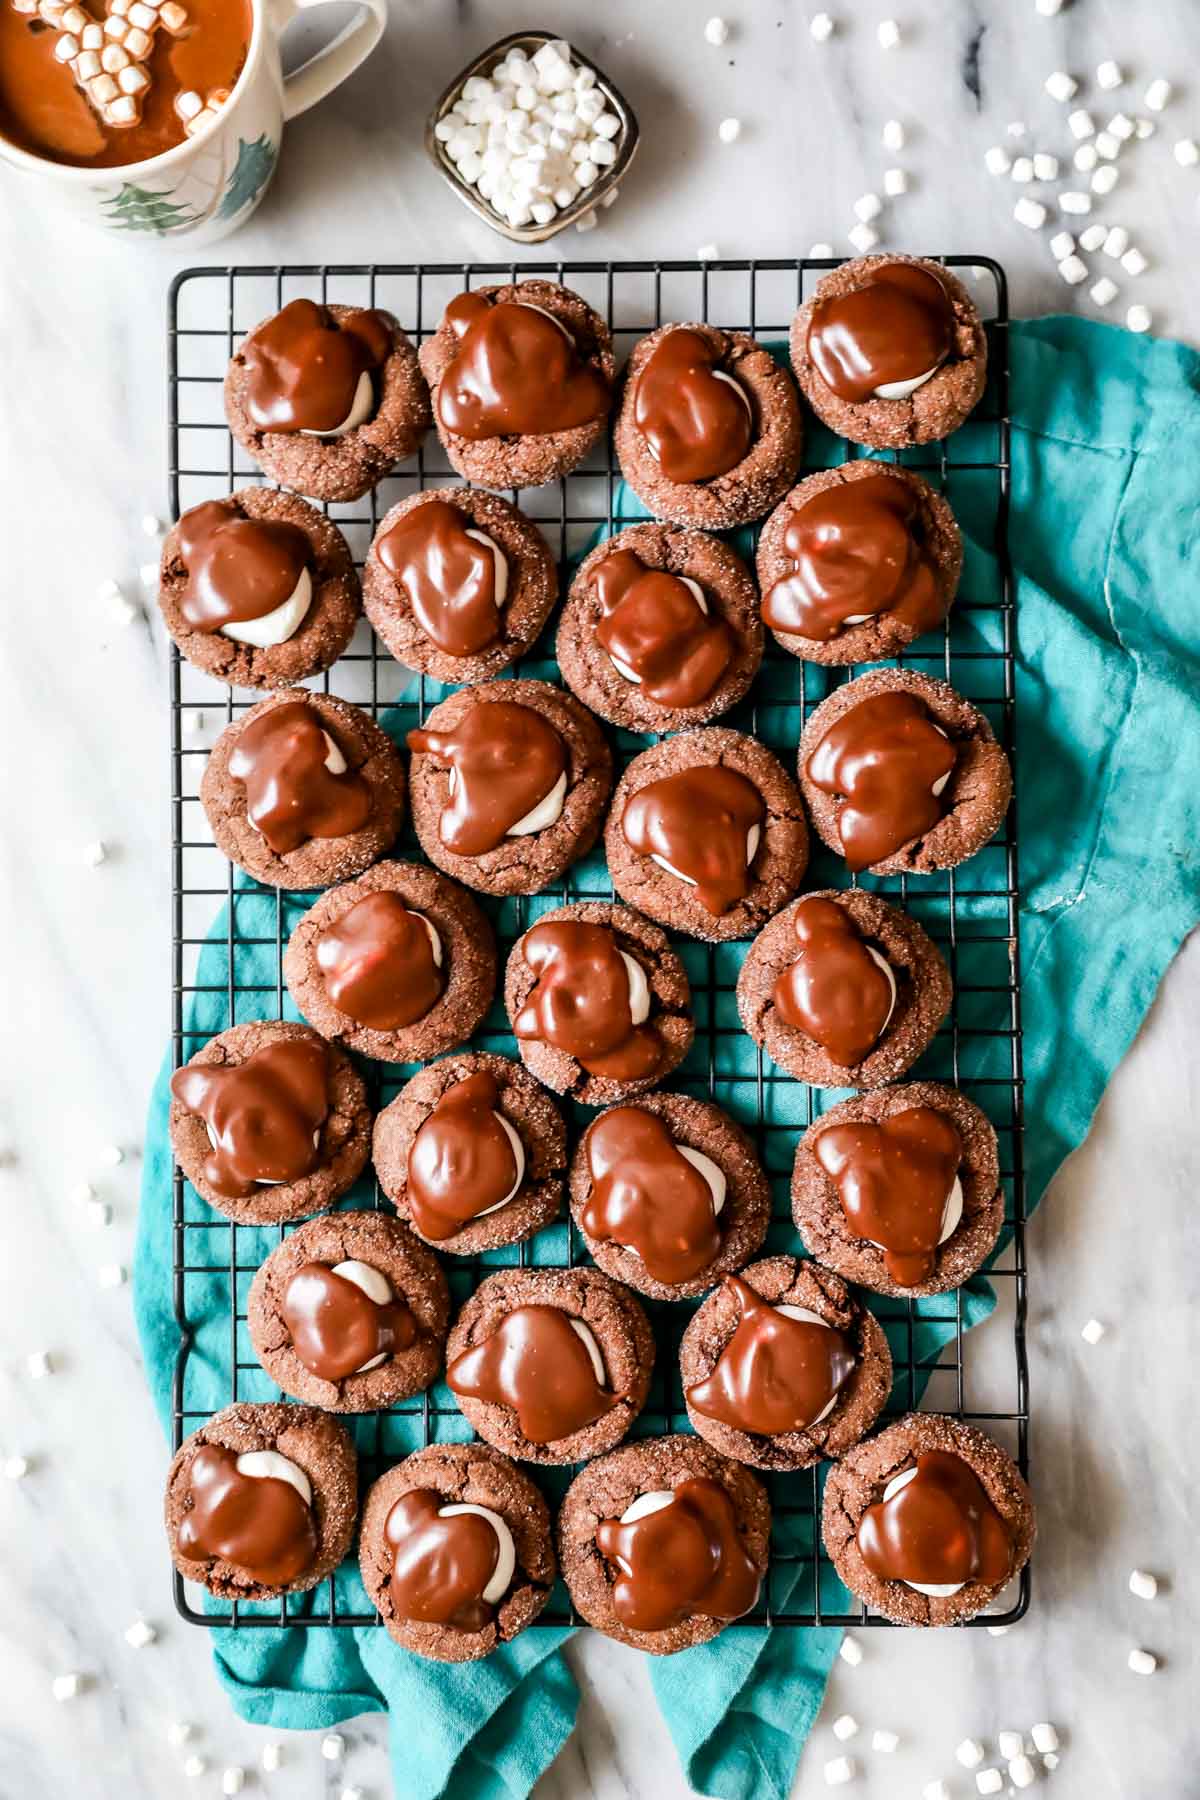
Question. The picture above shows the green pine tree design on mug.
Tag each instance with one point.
(251, 172)
(140, 209)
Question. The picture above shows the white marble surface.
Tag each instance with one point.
(81, 458)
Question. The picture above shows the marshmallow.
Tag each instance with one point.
(1121, 127)
(111, 1275)
(285, 620)
(16, 1468)
(178, 1732)
(114, 58)
(821, 28)
(1048, 9)
(850, 1651)
(1108, 146)
(1045, 167)
(1157, 95)
(1144, 128)
(66, 1687)
(888, 33)
(233, 1780)
(1022, 170)
(1093, 1331)
(1015, 128)
(868, 207)
(1142, 1662)
(67, 49)
(1085, 158)
(1144, 1586)
(172, 17)
(112, 1156)
(997, 161)
(88, 65)
(1029, 212)
(1187, 153)
(708, 253)
(935, 1790)
(893, 135)
(1073, 202)
(716, 31)
(1009, 1744)
(1092, 237)
(990, 1781)
(729, 130)
(263, 1465)
(1062, 244)
(333, 1746)
(885, 1742)
(845, 1727)
(272, 1756)
(1061, 86)
(147, 572)
(1105, 179)
(188, 104)
(1081, 124)
(895, 182)
(39, 1365)
(863, 237)
(970, 1753)
(1050, 1762)
(352, 1793)
(587, 221)
(94, 853)
(1045, 1737)
(1116, 242)
(998, 1630)
(1104, 291)
(839, 1771)
(139, 1634)
(1109, 75)
(134, 81)
(1134, 263)
(818, 251)
(1021, 1771)
(194, 1767)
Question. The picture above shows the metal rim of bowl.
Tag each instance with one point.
(626, 140)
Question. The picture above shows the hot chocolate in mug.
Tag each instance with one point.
(79, 85)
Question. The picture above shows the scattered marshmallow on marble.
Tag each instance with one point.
(1044, 1736)
(863, 237)
(845, 1727)
(1116, 242)
(16, 1468)
(1015, 128)
(716, 31)
(1081, 124)
(1050, 1762)
(1074, 202)
(152, 525)
(333, 1746)
(868, 207)
(1048, 9)
(1062, 245)
(1092, 237)
(729, 130)
(990, 1781)
(885, 1742)
(1022, 170)
(94, 853)
(1187, 153)
(1029, 212)
(997, 161)
(112, 1156)
(893, 135)
(1105, 178)
(1104, 291)
(895, 183)
(1073, 269)
(1121, 126)
(148, 575)
(1086, 158)
(821, 28)
(888, 33)
(39, 1364)
(272, 1756)
(823, 250)
(1061, 86)
(935, 1790)
(1001, 1630)
(587, 221)
(139, 1634)
(708, 253)
(123, 611)
(66, 1687)
(1109, 75)
(839, 1771)
(179, 1733)
(1045, 167)
(1021, 1771)
(1143, 1585)
(1133, 262)
(352, 1793)
(1142, 1662)
(111, 1275)
(1093, 1331)
(194, 1767)
(969, 1753)
(1009, 1744)
(233, 1780)
(1157, 95)
(1107, 146)
(850, 1651)
(1144, 128)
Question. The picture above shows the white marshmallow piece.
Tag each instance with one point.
(39, 1365)
(194, 1767)
(1086, 158)
(1116, 242)
(729, 130)
(1074, 202)
(1187, 153)
(66, 1687)
(1139, 318)
(1062, 244)
(990, 1781)
(1109, 75)
(94, 853)
(1105, 178)
(1134, 263)
(893, 135)
(1081, 124)
(179, 1732)
(111, 1275)
(886, 1742)
(139, 1634)
(1143, 1586)
(708, 253)
(352, 1793)
(850, 1651)
(1045, 1737)
(1092, 1332)
(1021, 1771)
(839, 1771)
(333, 1746)
(821, 28)
(935, 1790)
(888, 34)
(863, 238)
(1009, 1744)
(1048, 9)
(819, 251)
(1092, 237)
(895, 183)
(1050, 1762)
(1061, 86)
(1073, 269)
(233, 1780)
(1122, 127)
(868, 207)
(1022, 170)
(1029, 212)
(845, 1727)
(16, 1468)
(1104, 291)
(716, 31)
(969, 1753)
(1107, 146)
(271, 1758)
(1045, 167)
(1142, 1662)
(67, 48)
(1158, 95)
(997, 161)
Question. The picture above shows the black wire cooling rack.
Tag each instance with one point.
(971, 912)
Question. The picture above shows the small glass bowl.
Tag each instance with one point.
(625, 142)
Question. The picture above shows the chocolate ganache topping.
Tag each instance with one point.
(856, 550)
(658, 631)
(515, 372)
(782, 1369)
(263, 1116)
(464, 1161)
(695, 417)
(238, 568)
(538, 1363)
(337, 1325)
(839, 990)
(455, 578)
(685, 1558)
(591, 1000)
(260, 1523)
(649, 1195)
(381, 963)
(703, 825)
(297, 783)
(506, 762)
(445, 1559)
(881, 339)
(937, 1529)
(896, 1181)
(308, 371)
(888, 763)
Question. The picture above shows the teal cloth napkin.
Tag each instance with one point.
(1105, 538)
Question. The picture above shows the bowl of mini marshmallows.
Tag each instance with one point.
(533, 137)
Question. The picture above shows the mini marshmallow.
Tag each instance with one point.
(333, 1746)
(114, 58)
(1092, 1332)
(845, 1727)
(1009, 1744)
(1109, 75)
(1187, 153)
(194, 1767)
(1121, 127)
(1142, 1662)
(885, 1742)
(888, 34)
(39, 1364)
(99, 1214)
(708, 253)
(1062, 245)
(864, 238)
(716, 31)
(1085, 158)
(67, 49)
(997, 161)
(990, 1781)
(1157, 95)
(1000, 1630)
(1116, 242)
(352, 1793)
(1104, 291)
(133, 81)
(66, 1687)
(1045, 167)
(139, 1634)
(1073, 202)
(88, 64)
(179, 1732)
(586, 172)
(93, 854)
(112, 1156)
(16, 1468)
(1048, 9)
(1045, 1737)
(233, 1780)
(1134, 263)
(839, 1771)
(607, 124)
(895, 183)
(969, 1753)
(868, 207)
(172, 17)
(138, 42)
(850, 1651)
(1050, 1762)
(1061, 86)
(188, 105)
(1108, 146)
(1029, 212)
(1081, 124)
(729, 130)
(1022, 170)
(1105, 179)
(1092, 237)
(935, 1790)
(893, 135)
(1015, 128)
(111, 1275)
(821, 28)
(1144, 128)
(1021, 1771)
(102, 89)
(272, 1756)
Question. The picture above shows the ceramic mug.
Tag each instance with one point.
(208, 185)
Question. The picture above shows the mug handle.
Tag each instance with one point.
(329, 67)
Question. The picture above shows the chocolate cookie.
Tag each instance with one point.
(661, 629)
(707, 834)
(901, 775)
(455, 1551)
(327, 399)
(669, 1194)
(843, 989)
(682, 1568)
(458, 583)
(303, 790)
(492, 1157)
(400, 964)
(550, 1365)
(709, 429)
(890, 351)
(262, 1501)
(857, 562)
(782, 1366)
(521, 377)
(509, 785)
(905, 1197)
(269, 1122)
(350, 1313)
(268, 567)
(928, 1521)
(599, 1002)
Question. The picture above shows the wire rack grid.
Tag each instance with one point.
(971, 912)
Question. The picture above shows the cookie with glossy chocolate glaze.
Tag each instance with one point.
(937, 407)
(657, 992)
(574, 788)
(860, 1373)
(920, 1002)
(526, 458)
(822, 1222)
(295, 1541)
(530, 582)
(304, 1326)
(323, 632)
(740, 1198)
(605, 1490)
(461, 1475)
(338, 467)
(935, 560)
(859, 1482)
(732, 808)
(767, 449)
(420, 1001)
(344, 1137)
(519, 1382)
(527, 1110)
